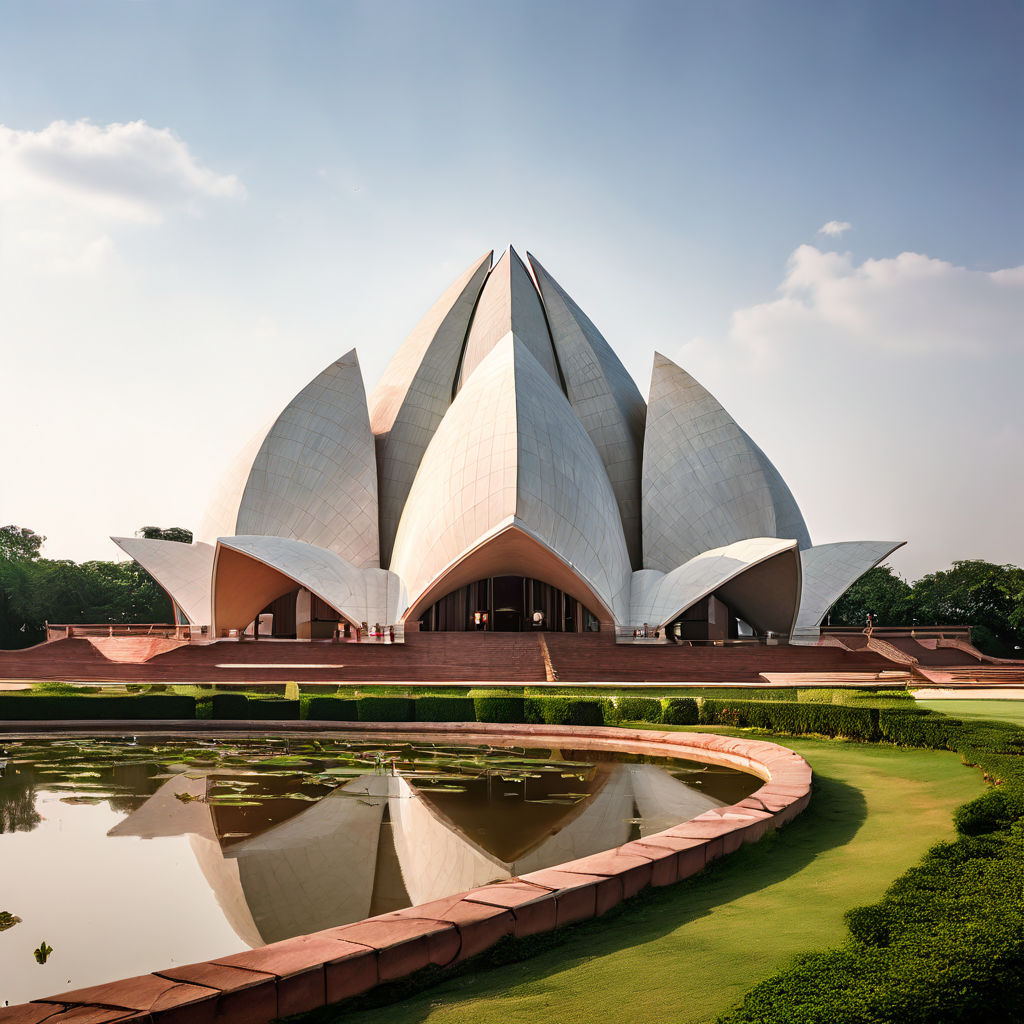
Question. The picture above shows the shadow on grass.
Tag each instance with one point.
(833, 818)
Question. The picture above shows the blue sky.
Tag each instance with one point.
(259, 187)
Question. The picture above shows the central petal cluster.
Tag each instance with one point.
(505, 438)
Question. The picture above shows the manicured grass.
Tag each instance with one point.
(687, 953)
(996, 710)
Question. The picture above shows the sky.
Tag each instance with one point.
(816, 209)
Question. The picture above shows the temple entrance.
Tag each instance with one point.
(508, 604)
(710, 619)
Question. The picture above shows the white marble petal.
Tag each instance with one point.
(360, 595)
(183, 570)
(314, 478)
(512, 455)
(604, 397)
(658, 598)
(508, 304)
(829, 570)
(705, 482)
(415, 392)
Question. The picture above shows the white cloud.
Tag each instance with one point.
(834, 228)
(129, 171)
(909, 304)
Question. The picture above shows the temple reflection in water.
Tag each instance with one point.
(380, 842)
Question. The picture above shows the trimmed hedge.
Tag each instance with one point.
(638, 709)
(60, 708)
(444, 709)
(563, 711)
(385, 709)
(496, 706)
(793, 717)
(241, 707)
(679, 711)
(918, 727)
(332, 709)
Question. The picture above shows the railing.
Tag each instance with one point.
(150, 630)
(913, 632)
(624, 635)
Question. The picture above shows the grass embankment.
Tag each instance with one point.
(994, 710)
(688, 953)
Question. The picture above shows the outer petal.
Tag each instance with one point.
(759, 578)
(183, 570)
(251, 572)
(509, 304)
(415, 392)
(511, 483)
(829, 570)
(604, 396)
(705, 482)
(315, 476)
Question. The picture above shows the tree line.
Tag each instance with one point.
(34, 590)
(988, 597)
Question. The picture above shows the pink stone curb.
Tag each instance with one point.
(311, 971)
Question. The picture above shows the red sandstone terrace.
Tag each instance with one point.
(311, 971)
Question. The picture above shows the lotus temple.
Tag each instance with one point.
(505, 475)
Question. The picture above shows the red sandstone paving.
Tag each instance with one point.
(218, 976)
(27, 1013)
(479, 925)
(93, 1015)
(145, 992)
(403, 945)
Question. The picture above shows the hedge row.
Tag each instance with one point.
(15, 708)
(945, 944)
(793, 717)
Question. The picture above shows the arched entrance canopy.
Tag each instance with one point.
(511, 551)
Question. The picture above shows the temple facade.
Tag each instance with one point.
(505, 475)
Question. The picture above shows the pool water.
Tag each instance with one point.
(126, 857)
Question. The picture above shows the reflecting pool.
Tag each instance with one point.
(128, 856)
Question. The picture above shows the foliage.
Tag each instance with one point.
(19, 543)
(879, 591)
(679, 711)
(563, 711)
(444, 709)
(974, 593)
(385, 709)
(638, 709)
(859, 723)
(15, 707)
(332, 709)
(173, 533)
(496, 706)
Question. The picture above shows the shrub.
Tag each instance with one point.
(444, 709)
(563, 711)
(793, 717)
(54, 709)
(679, 711)
(918, 727)
(332, 709)
(997, 809)
(385, 709)
(496, 706)
(271, 709)
(638, 709)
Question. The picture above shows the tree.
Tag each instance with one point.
(19, 543)
(175, 533)
(879, 591)
(974, 593)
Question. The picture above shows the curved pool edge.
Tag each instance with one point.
(311, 971)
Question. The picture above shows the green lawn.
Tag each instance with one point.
(1000, 710)
(687, 953)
